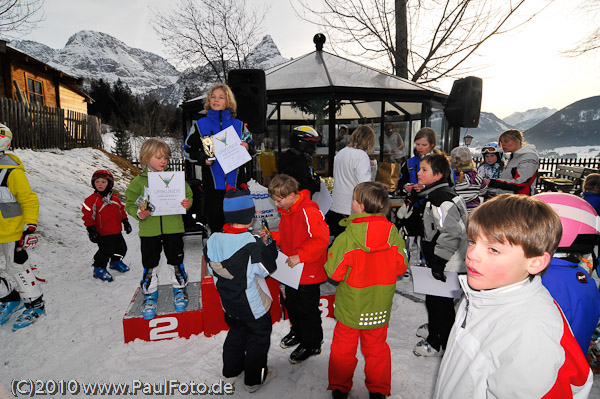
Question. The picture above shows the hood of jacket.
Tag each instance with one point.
(10, 161)
(525, 150)
(432, 187)
(370, 232)
(303, 195)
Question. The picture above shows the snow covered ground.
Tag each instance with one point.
(81, 338)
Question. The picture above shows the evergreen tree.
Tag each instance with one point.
(122, 146)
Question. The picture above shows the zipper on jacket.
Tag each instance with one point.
(161, 226)
(464, 323)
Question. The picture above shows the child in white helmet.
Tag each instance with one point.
(491, 166)
(19, 212)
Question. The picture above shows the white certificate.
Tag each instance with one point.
(289, 276)
(323, 198)
(424, 283)
(167, 190)
(228, 150)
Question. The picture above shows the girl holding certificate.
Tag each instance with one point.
(198, 149)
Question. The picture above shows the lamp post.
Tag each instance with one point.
(468, 138)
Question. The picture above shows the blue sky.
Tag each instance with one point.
(521, 70)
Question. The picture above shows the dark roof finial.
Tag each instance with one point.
(319, 40)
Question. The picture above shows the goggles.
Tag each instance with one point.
(488, 150)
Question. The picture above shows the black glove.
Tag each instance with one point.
(93, 234)
(126, 226)
(437, 268)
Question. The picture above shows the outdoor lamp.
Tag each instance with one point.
(468, 138)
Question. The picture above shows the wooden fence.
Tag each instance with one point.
(173, 164)
(39, 127)
(549, 165)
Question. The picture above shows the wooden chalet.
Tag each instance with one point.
(29, 80)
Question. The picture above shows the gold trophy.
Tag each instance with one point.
(209, 147)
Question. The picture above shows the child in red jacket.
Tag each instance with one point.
(303, 236)
(103, 213)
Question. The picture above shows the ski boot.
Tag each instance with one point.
(8, 308)
(119, 266)
(149, 305)
(102, 274)
(33, 311)
(180, 299)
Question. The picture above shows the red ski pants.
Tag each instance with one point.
(378, 360)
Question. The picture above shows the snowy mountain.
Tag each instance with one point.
(578, 123)
(490, 127)
(529, 118)
(97, 55)
(89, 54)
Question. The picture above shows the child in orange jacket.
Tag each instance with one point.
(303, 236)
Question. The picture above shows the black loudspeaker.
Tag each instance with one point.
(250, 90)
(464, 102)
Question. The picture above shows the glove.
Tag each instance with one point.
(28, 238)
(126, 226)
(437, 268)
(93, 234)
(405, 211)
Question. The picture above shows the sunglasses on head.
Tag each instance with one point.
(488, 149)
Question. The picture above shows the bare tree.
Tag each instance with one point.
(424, 40)
(217, 33)
(19, 16)
(591, 9)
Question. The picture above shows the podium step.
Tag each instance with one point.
(167, 324)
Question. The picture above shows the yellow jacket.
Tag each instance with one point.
(19, 205)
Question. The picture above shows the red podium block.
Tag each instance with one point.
(325, 306)
(214, 316)
(167, 324)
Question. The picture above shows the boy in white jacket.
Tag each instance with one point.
(510, 339)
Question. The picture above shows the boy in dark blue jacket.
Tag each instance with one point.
(239, 263)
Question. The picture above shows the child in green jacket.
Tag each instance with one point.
(366, 259)
(158, 233)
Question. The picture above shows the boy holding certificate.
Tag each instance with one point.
(158, 232)
(366, 259)
(303, 236)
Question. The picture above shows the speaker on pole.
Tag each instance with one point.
(250, 90)
(464, 102)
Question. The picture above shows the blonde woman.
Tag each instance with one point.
(520, 173)
(351, 166)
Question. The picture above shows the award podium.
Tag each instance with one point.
(167, 323)
(204, 313)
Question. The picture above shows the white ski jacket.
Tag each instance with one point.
(512, 342)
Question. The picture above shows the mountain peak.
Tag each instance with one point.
(529, 118)
(86, 37)
(266, 54)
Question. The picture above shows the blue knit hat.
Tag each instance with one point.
(238, 206)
